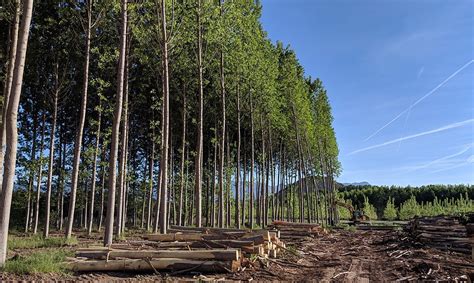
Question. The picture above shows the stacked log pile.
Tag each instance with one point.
(183, 250)
(293, 231)
(445, 233)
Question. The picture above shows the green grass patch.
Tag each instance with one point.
(36, 241)
(40, 262)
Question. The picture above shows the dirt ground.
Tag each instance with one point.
(340, 256)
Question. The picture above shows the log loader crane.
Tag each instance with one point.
(357, 216)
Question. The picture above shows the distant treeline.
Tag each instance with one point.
(379, 196)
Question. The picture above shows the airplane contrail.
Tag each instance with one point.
(441, 129)
(467, 162)
(422, 98)
(442, 158)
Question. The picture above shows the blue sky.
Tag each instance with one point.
(385, 59)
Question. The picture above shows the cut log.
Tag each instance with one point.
(173, 264)
(245, 246)
(174, 237)
(215, 254)
(293, 224)
(207, 229)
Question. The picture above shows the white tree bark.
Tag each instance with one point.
(80, 128)
(12, 131)
(8, 81)
(109, 222)
(51, 155)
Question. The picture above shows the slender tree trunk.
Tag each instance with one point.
(186, 193)
(324, 183)
(147, 164)
(80, 128)
(12, 130)
(263, 199)
(31, 173)
(94, 171)
(237, 171)
(207, 199)
(244, 183)
(164, 146)
(171, 195)
(51, 155)
(181, 174)
(125, 179)
(191, 200)
(123, 149)
(61, 211)
(40, 175)
(12, 50)
(278, 184)
(151, 168)
(109, 225)
(102, 189)
(59, 180)
(222, 141)
(267, 183)
(213, 192)
(227, 184)
(252, 162)
(85, 210)
(199, 149)
(272, 173)
(157, 206)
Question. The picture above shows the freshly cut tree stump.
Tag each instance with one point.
(174, 264)
(215, 254)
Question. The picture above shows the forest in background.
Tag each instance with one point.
(403, 203)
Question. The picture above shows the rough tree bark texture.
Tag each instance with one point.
(12, 130)
(109, 223)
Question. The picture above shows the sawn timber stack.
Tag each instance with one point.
(207, 250)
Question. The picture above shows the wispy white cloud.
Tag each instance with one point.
(441, 129)
(421, 99)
